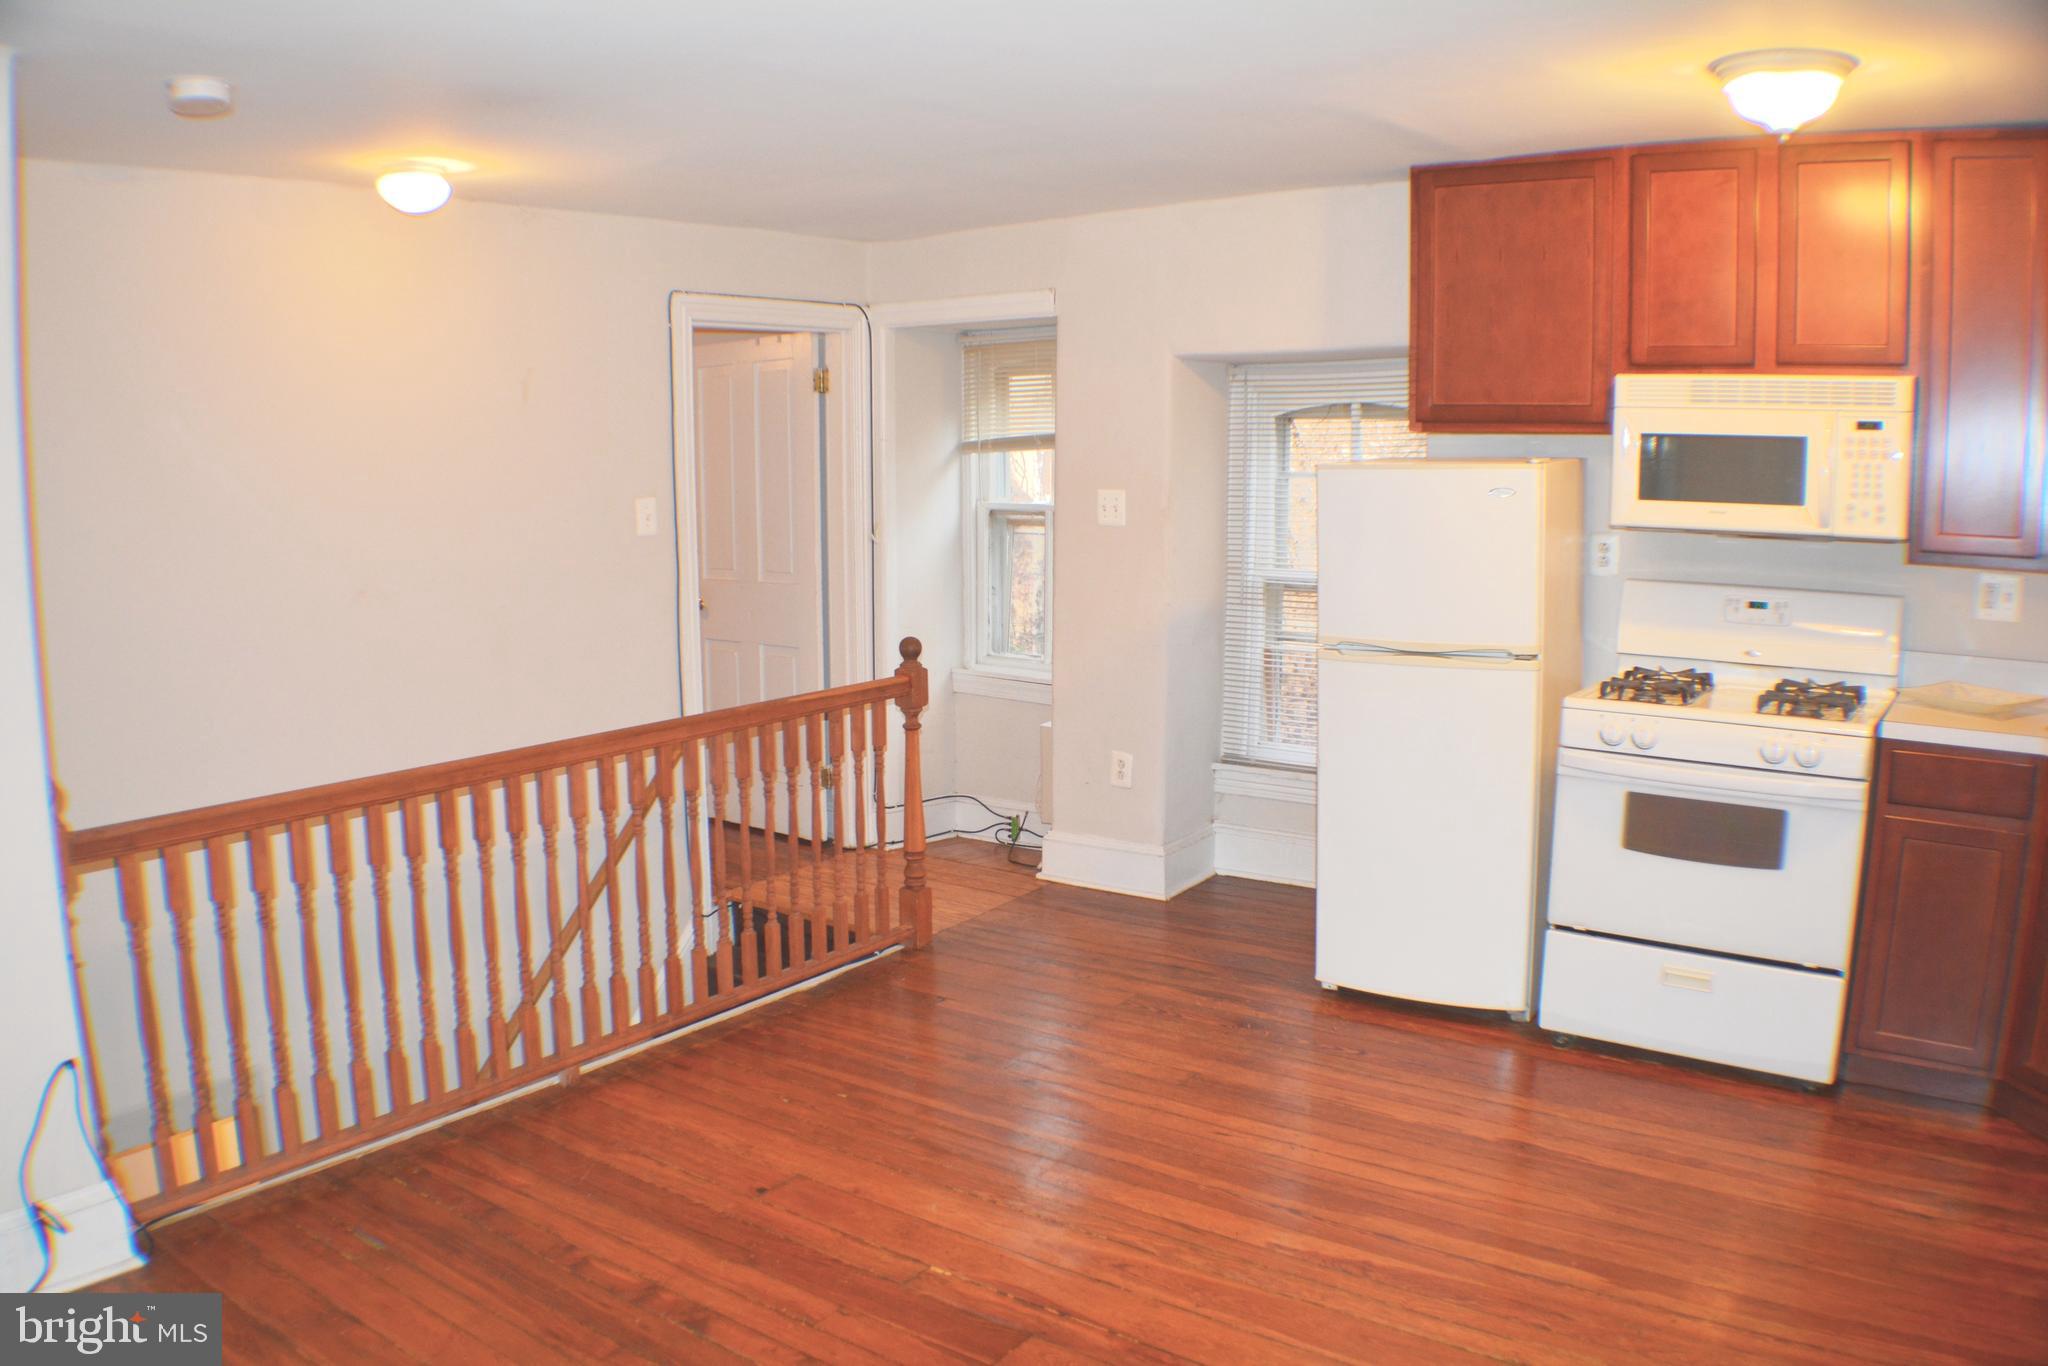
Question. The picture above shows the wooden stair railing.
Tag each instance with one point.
(347, 1017)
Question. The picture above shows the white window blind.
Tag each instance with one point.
(1285, 421)
(1007, 378)
(1007, 443)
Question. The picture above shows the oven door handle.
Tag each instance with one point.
(1678, 775)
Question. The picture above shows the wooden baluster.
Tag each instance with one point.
(857, 726)
(448, 809)
(814, 748)
(135, 915)
(842, 903)
(772, 942)
(377, 840)
(878, 738)
(522, 911)
(220, 888)
(792, 764)
(608, 808)
(636, 791)
(433, 1066)
(743, 789)
(915, 898)
(672, 955)
(178, 893)
(68, 870)
(726, 950)
(326, 1099)
(341, 862)
(483, 824)
(579, 824)
(284, 1095)
(699, 885)
(549, 814)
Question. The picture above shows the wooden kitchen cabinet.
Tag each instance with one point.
(1950, 875)
(1843, 252)
(1692, 253)
(1984, 398)
(1511, 310)
(2022, 1092)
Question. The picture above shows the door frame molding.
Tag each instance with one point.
(851, 530)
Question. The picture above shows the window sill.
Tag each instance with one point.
(1266, 782)
(1008, 687)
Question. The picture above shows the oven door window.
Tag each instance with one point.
(1703, 832)
(1681, 468)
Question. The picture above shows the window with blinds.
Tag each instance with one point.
(1007, 443)
(1285, 421)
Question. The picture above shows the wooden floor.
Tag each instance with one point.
(1084, 1126)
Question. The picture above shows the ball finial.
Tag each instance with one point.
(910, 648)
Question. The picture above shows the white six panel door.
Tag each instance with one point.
(761, 574)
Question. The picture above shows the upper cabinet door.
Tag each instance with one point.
(1985, 395)
(1512, 316)
(1692, 257)
(1843, 252)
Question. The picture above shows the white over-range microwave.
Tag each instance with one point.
(1764, 455)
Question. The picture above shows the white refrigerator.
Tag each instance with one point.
(1448, 634)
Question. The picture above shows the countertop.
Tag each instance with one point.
(2018, 731)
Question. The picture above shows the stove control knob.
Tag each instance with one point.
(1771, 751)
(1611, 733)
(1642, 737)
(1808, 756)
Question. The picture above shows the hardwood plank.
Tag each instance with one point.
(1083, 1127)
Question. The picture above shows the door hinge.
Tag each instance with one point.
(828, 777)
(821, 381)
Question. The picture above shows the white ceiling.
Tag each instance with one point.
(880, 119)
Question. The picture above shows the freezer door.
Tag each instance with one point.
(1427, 790)
(1426, 553)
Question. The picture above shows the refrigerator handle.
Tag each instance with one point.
(1355, 648)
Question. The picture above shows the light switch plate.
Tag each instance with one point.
(646, 516)
(1109, 507)
(1998, 597)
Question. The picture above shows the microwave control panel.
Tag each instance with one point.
(1871, 482)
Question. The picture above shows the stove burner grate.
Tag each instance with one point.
(1666, 687)
(1804, 697)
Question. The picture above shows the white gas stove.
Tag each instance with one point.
(1708, 837)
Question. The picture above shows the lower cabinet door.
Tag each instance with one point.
(2022, 1090)
(1934, 947)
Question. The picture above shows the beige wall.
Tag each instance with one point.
(1137, 619)
(325, 491)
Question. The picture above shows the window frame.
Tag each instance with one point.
(979, 511)
(979, 539)
(1259, 572)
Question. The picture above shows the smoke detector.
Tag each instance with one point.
(199, 97)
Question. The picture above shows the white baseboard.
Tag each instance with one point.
(1156, 872)
(1266, 855)
(98, 1241)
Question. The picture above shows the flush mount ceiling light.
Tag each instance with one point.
(1781, 88)
(414, 190)
(199, 97)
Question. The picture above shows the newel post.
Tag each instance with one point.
(915, 899)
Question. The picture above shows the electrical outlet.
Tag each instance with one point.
(1604, 555)
(1109, 511)
(1119, 768)
(646, 516)
(1998, 597)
